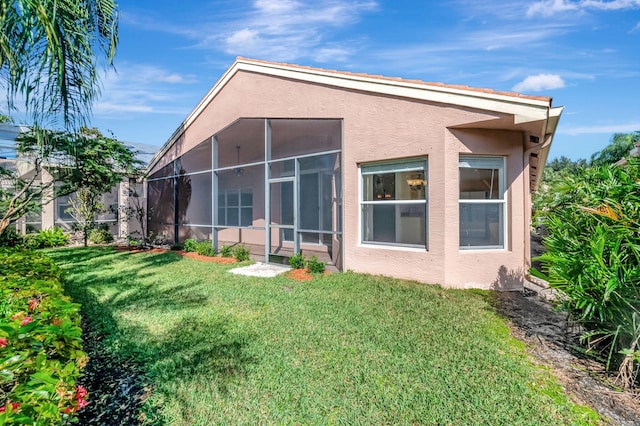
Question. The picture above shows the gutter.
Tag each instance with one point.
(549, 128)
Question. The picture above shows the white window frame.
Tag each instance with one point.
(499, 162)
(414, 164)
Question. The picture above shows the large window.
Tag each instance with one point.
(235, 207)
(394, 203)
(482, 202)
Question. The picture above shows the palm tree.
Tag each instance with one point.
(50, 53)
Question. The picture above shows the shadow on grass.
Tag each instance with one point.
(126, 361)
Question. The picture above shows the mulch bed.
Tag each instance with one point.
(215, 259)
(554, 342)
(302, 274)
(190, 255)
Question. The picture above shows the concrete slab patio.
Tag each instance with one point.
(260, 269)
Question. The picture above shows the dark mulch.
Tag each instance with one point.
(551, 339)
(116, 389)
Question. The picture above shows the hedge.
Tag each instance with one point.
(40, 343)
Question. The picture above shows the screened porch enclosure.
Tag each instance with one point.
(273, 185)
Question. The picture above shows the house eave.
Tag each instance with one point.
(524, 109)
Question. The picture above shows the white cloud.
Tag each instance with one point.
(636, 28)
(536, 83)
(244, 37)
(330, 54)
(139, 88)
(607, 129)
(286, 30)
(551, 7)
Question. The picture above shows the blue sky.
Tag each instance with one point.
(585, 54)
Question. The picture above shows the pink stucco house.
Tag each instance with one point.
(404, 178)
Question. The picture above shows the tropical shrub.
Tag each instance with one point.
(190, 245)
(53, 237)
(32, 241)
(593, 257)
(315, 266)
(297, 261)
(101, 235)
(226, 251)
(241, 253)
(40, 343)
(205, 248)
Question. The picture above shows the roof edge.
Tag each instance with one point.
(527, 108)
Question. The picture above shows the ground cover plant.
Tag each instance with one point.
(40, 343)
(216, 348)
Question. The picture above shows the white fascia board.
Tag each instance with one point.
(554, 119)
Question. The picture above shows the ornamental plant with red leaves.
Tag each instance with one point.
(40, 343)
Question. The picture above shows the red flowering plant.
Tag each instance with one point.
(40, 343)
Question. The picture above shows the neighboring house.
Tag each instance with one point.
(54, 211)
(415, 180)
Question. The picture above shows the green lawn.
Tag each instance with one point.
(347, 348)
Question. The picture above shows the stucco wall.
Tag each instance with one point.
(376, 128)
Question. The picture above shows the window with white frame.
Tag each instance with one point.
(394, 203)
(235, 207)
(482, 202)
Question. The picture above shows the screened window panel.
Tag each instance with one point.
(163, 172)
(293, 137)
(200, 233)
(160, 201)
(194, 199)
(237, 193)
(197, 159)
(246, 216)
(241, 143)
(319, 192)
(284, 168)
(282, 203)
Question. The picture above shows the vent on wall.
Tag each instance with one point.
(534, 139)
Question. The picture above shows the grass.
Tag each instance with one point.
(342, 349)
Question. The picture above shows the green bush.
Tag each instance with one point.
(32, 241)
(593, 257)
(53, 237)
(100, 235)
(134, 243)
(10, 237)
(226, 251)
(40, 343)
(190, 245)
(315, 266)
(297, 261)
(205, 248)
(241, 253)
